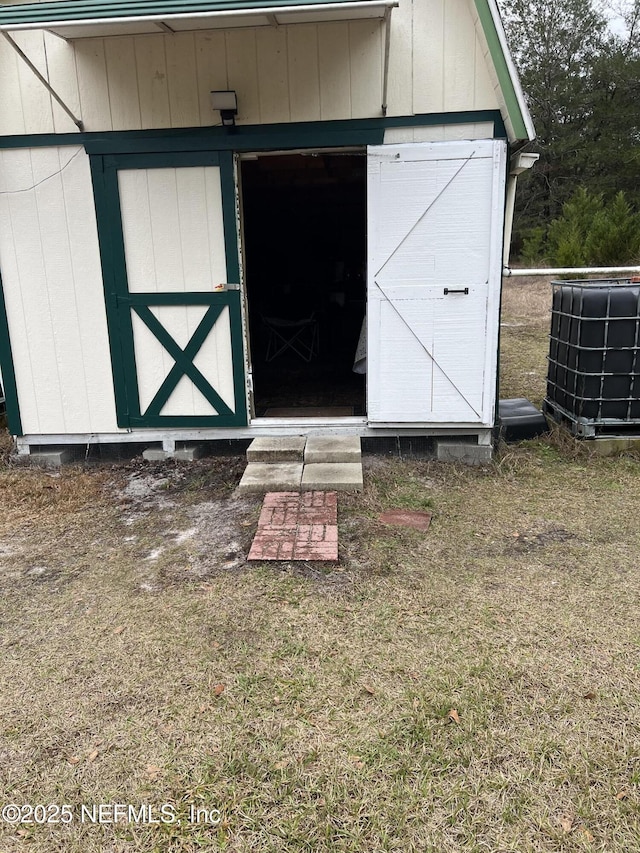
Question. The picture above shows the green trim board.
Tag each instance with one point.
(7, 366)
(120, 304)
(230, 216)
(109, 222)
(313, 134)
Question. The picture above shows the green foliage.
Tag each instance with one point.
(567, 236)
(582, 84)
(591, 232)
(534, 246)
(614, 236)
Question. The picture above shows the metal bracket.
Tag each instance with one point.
(387, 43)
(23, 56)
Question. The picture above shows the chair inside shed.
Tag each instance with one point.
(304, 239)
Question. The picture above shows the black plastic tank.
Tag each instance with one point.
(594, 365)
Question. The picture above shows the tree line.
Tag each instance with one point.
(580, 203)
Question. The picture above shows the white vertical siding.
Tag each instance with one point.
(303, 72)
(153, 86)
(37, 107)
(459, 37)
(53, 290)
(439, 133)
(365, 68)
(124, 95)
(438, 62)
(173, 229)
(333, 47)
(11, 106)
(183, 86)
(401, 62)
(273, 77)
(61, 62)
(428, 55)
(242, 74)
(211, 65)
(93, 85)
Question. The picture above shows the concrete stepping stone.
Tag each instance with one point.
(294, 526)
(334, 476)
(336, 448)
(277, 449)
(260, 477)
(416, 519)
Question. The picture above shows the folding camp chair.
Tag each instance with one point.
(300, 336)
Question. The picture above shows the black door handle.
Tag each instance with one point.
(464, 290)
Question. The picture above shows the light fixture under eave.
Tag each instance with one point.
(227, 102)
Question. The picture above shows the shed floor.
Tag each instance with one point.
(299, 387)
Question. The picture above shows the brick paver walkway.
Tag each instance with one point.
(296, 526)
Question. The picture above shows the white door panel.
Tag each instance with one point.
(435, 239)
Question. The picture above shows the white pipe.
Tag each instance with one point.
(512, 181)
(187, 16)
(508, 272)
(385, 71)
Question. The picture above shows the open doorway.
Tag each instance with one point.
(304, 224)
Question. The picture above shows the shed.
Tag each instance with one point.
(322, 254)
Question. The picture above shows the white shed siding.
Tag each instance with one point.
(173, 229)
(53, 290)
(303, 72)
(439, 132)
(153, 87)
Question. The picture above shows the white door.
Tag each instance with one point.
(435, 225)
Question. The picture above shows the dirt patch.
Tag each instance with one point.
(532, 539)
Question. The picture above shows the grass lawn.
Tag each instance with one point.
(474, 688)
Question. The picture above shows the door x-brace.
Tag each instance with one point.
(183, 358)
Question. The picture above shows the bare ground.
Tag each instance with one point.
(473, 688)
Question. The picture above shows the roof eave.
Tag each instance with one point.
(516, 114)
(10, 22)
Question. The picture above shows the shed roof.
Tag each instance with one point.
(74, 19)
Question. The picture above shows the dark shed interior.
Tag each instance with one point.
(304, 239)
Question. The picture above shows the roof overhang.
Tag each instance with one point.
(513, 106)
(76, 19)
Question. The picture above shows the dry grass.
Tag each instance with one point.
(143, 661)
(526, 319)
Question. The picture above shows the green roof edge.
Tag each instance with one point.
(64, 10)
(503, 72)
